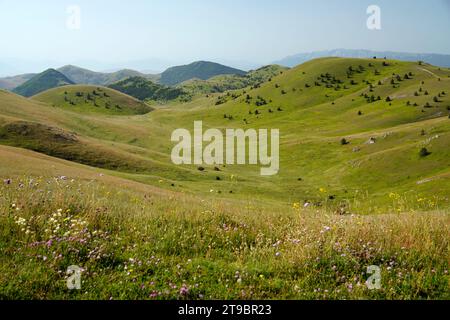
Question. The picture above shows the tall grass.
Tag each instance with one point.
(138, 245)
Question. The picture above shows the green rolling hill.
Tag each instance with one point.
(386, 110)
(86, 98)
(46, 80)
(144, 89)
(74, 169)
(224, 83)
(197, 70)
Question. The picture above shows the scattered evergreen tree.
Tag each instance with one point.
(424, 152)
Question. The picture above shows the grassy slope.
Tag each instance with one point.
(144, 89)
(40, 127)
(103, 100)
(223, 83)
(135, 241)
(311, 128)
(139, 241)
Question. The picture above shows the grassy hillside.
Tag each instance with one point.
(142, 227)
(224, 83)
(144, 89)
(83, 98)
(78, 134)
(315, 106)
(441, 60)
(41, 82)
(197, 70)
(135, 241)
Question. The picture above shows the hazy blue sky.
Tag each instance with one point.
(155, 33)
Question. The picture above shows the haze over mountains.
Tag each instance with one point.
(197, 76)
(85, 76)
(69, 74)
(441, 60)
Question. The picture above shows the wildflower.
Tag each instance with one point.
(394, 195)
(296, 206)
(322, 190)
(21, 221)
(184, 290)
(277, 254)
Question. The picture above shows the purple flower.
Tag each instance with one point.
(184, 290)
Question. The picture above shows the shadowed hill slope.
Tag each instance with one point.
(41, 82)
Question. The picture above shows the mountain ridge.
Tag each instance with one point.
(199, 69)
(441, 60)
(43, 81)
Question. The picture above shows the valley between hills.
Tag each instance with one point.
(364, 180)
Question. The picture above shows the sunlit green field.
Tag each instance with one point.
(94, 186)
(133, 243)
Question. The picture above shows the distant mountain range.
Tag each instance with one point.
(30, 84)
(9, 83)
(202, 70)
(441, 60)
(85, 76)
(48, 79)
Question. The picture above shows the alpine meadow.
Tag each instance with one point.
(357, 180)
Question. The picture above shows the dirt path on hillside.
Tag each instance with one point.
(430, 72)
